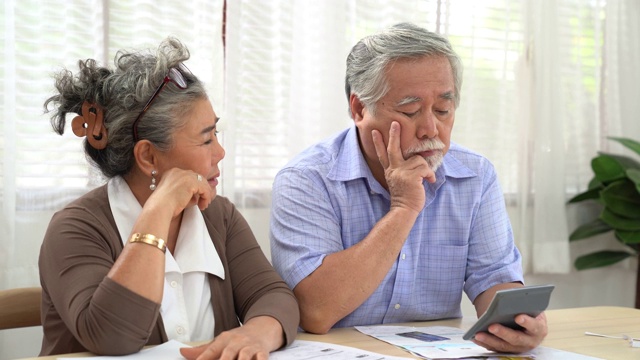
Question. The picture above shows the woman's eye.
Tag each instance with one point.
(442, 112)
(410, 114)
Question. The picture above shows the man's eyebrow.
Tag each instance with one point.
(413, 99)
(408, 100)
(208, 129)
(447, 95)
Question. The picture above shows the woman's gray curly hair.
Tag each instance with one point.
(123, 92)
(368, 59)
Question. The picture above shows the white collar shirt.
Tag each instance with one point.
(186, 308)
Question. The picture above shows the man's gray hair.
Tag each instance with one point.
(369, 58)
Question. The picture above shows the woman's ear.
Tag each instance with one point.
(357, 108)
(145, 155)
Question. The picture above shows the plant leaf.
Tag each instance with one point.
(619, 222)
(600, 258)
(595, 184)
(634, 175)
(588, 230)
(628, 237)
(589, 194)
(607, 169)
(629, 143)
(623, 160)
(622, 236)
(622, 198)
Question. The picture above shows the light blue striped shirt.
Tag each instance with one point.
(326, 200)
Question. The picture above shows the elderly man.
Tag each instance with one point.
(388, 221)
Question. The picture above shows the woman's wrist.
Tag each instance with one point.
(269, 332)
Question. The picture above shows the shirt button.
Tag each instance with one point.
(397, 306)
(174, 284)
(404, 256)
(180, 330)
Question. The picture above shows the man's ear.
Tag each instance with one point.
(145, 155)
(357, 107)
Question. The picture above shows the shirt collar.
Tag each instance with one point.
(350, 163)
(452, 167)
(194, 250)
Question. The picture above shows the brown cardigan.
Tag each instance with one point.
(83, 310)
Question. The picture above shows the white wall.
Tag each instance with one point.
(20, 343)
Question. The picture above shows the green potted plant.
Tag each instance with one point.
(616, 186)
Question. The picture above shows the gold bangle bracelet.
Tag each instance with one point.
(149, 239)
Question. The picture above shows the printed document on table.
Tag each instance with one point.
(444, 342)
(298, 350)
(432, 342)
(304, 350)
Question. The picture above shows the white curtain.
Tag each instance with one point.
(621, 75)
(541, 190)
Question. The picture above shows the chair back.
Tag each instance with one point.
(20, 307)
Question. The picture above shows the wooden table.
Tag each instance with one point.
(567, 327)
(566, 332)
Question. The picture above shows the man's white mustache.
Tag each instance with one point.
(432, 144)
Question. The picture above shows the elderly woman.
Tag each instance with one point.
(154, 254)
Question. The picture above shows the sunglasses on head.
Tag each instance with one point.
(173, 75)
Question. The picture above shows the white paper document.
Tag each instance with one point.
(298, 350)
(304, 350)
(433, 342)
(443, 342)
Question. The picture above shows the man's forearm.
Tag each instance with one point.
(347, 278)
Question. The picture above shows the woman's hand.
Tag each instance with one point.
(252, 341)
(179, 189)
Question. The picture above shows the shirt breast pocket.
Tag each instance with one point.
(440, 278)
